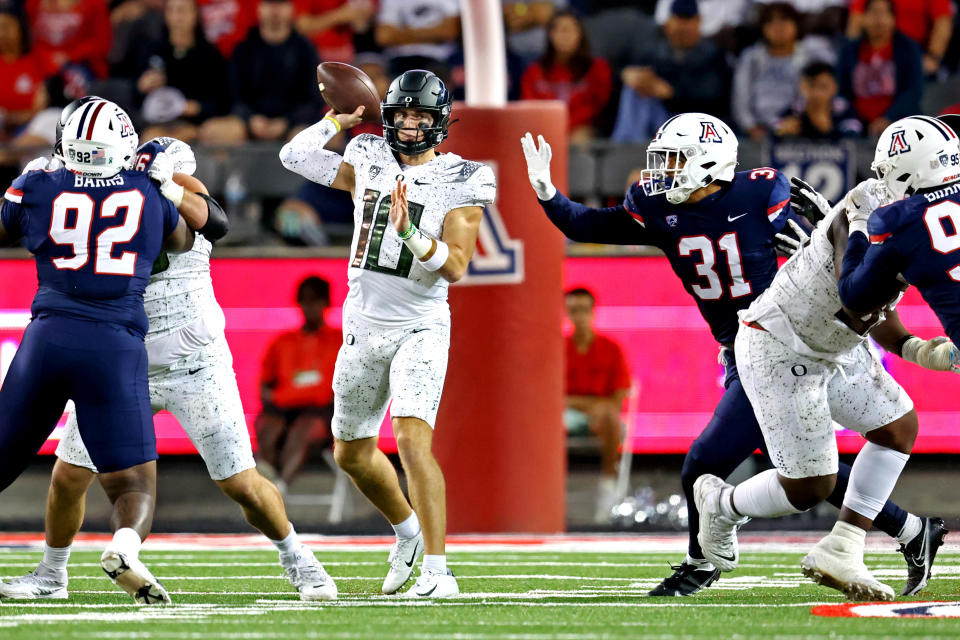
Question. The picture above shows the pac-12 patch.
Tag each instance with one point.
(889, 610)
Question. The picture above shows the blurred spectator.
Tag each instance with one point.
(135, 23)
(22, 75)
(929, 23)
(273, 80)
(296, 386)
(226, 22)
(882, 72)
(568, 72)
(619, 33)
(330, 24)
(718, 17)
(766, 76)
(681, 70)
(418, 34)
(526, 25)
(72, 31)
(825, 17)
(597, 383)
(316, 216)
(184, 73)
(821, 115)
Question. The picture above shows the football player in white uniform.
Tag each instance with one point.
(804, 363)
(190, 375)
(417, 213)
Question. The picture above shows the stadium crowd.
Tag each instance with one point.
(225, 72)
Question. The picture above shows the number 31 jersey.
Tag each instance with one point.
(388, 285)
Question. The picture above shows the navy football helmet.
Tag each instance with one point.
(422, 90)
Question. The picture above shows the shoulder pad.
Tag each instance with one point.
(886, 221)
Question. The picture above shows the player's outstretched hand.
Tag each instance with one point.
(161, 169)
(538, 165)
(348, 120)
(399, 211)
(862, 200)
(808, 202)
(936, 354)
(788, 244)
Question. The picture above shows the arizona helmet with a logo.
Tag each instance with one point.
(916, 152)
(689, 151)
(99, 140)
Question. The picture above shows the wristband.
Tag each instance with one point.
(335, 122)
(172, 192)
(406, 235)
(439, 257)
(419, 244)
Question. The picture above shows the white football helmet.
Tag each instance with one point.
(916, 152)
(184, 160)
(99, 140)
(689, 151)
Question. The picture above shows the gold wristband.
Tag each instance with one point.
(335, 122)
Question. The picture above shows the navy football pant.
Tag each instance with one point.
(731, 436)
(102, 367)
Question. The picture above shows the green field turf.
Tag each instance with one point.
(511, 595)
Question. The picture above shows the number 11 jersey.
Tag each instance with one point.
(388, 285)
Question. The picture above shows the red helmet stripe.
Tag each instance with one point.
(93, 119)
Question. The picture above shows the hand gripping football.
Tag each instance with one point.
(345, 88)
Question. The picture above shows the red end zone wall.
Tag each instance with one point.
(670, 353)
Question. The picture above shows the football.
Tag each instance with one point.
(344, 88)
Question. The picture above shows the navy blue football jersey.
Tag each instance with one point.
(721, 247)
(94, 239)
(918, 237)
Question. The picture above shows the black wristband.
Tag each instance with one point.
(902, 341)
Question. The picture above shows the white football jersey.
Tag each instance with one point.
(387, 284)
(182, 293)
(800, 306)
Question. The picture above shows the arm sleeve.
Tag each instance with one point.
(868, 278)
(612, 225)
(305, 154)
(217, 225)
(778, 204)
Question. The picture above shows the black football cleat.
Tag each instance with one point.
(919, 554)
(687, 579)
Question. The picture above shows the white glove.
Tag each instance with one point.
(43, 163)
(790, 245)
(161, 172)
(862, 200)
(937, 354)
(538, 166)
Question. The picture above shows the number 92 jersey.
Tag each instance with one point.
(387, 284)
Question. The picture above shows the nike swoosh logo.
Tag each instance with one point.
(727, 558)
(193, 371)
(417, 330)
(427, 593)
(417, 182)
(731, 219)
(413, 556)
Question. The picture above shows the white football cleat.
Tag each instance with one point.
(838, 563)
(434, 584)
(41, 584)
(309, 577)
(403, 556)
(718, 533)
(131, 575)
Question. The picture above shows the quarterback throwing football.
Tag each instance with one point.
(416, 213)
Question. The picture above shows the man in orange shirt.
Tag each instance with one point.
(597, 383)
(295, 384)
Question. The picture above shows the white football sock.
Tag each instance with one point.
(409, 527)
(55, 558)
(289, 545)
(874, 475)
(761, 496)
(126, 540)
(699, 563)
(435, 563)
(910, 529)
